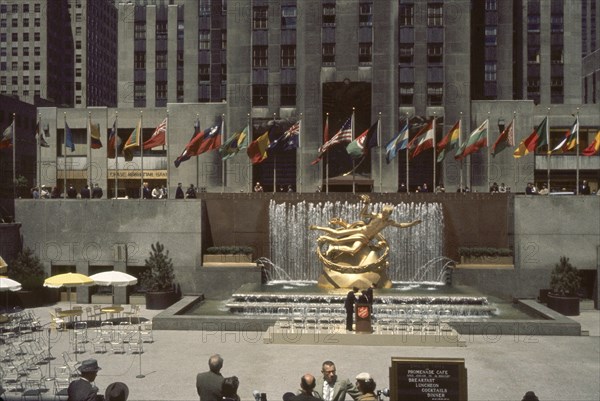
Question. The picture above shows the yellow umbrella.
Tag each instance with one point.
(68, 280)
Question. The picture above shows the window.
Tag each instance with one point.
(328, 15)
(14, 51)
(161, 60)
(204, 40)
(556, 55)
(37, 80)
(491, 5)
(139, 91)
(260, 95)
(139, 30)
(161, 30)
(180, 59)
(15, 37)
(78, 72)
(406, 93)
(491, 34)
(26, 80)
(26, 22)
(259, 56)
(25, 36)
(36, 66)
(204, 72)
(78, 58)
(15, 23)
(490, 71)
(3, 23)
(288, 17)
(180, 30)
(406, 15)
(434, 53)
(328, 54)
(15, 80)
(260, 17)
(161, 90)
(224, 39)
(139, 60)
(288, 56)
(533, 23)
(78, 44)
(365, 52)
(25, 8)
(15, 66)
(36, 7)
(288, 95)
(36, 51)
(36, 22)
(533, 55)
(434, 94)
(77, 31)
(365, 17)
(435, 14)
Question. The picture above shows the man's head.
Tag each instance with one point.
(307, 383)
(215, 363)
(365, 383)
(354, 289)
(328, 369)
(89, 369)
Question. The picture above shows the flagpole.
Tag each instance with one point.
(353, 170)
(577, 155)
(434, 154)
(380, 153)
(141, 145)
(250, 133)
(65, 156)
(489, 159)
(197, 158)
(548, 145)
(514, 143)
(300, 150)
(224, 139)
(274, 164)
(168, 164)
(327, 158)
(14, 155)
(39, 153)
(116, 155)
(407, 155)
(89, 150)
(459, 145)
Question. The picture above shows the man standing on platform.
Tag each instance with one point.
(349, 306)
(209, 383)
(83, 389)
(331, 388)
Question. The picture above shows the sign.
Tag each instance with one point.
(136, 174)
(363, 318)
(428, 379)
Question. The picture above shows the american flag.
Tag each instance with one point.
(343, 135)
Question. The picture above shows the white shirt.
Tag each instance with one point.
(327, 391)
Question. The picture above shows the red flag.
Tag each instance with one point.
(158, 138)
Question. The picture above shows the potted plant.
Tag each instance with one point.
(228, 254)
(564, 284)
(483, 255)
(27, 269)
(159, 279)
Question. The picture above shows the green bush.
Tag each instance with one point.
(230, 250)
(481, 251)
(159, 275)
(27, 269)
(565, 279)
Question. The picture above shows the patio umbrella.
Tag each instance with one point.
(7, 284)
(114, 278)
(68, 280)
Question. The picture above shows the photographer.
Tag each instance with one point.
(366, 385)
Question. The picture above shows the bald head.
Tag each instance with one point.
(307, 383)
(215, 363)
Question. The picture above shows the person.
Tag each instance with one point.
(584, 188)
(530, 189)
(179, 192)
(191, 192)
(290, 189)
(156, 193)
(358, 235)
(366, 385)
(82, 389)
(146, 193)
(258, 187)
(229, 389)
(116, 391)
(318, 188)
(97, 192)
(164, 192)
(530, 396)
(209, 384)
(71, 192)
(349, 306)
(331, 388)
(44, 194)
(494, 188)
(402, 187)
(35, 194)
(544, 190)
(368, 293)
(307, 388)
(55, 194)
(424, 188)
(85, 192)
(502, 188)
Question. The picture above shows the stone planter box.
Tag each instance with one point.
(568, 306)
(102, 299)
(160, 300)
(486, 260)
(137, 299)
(241, 258)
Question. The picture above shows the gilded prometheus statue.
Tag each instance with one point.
(356, 254)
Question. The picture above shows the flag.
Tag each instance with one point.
(325, 140)
(39, 137)
(234, 144)
(570, 139)
(343, 135)
(69, 138)
(363, 143)
(133, 141)
(158, 138)
(594, 146)
(257, 150)
(530, 143)
(448, 142)
(94, 129)
(291, 137)
(7, 137)
(399, 142)
(211, 139)
(423, 140)
(113, 140)
(192, 145)
(505, 140)
(476, 141)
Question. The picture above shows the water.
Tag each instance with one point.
(415, 253)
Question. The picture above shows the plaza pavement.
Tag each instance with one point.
(498, 367)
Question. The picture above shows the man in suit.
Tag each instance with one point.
(349, 306)
(97, 192)
(209, 383)
(331, 388)
(307, 386)
(179, 192)
(82, 389)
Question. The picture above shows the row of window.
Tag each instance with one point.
(14, 9)
(16, 66)
(15, 80)
(435, 15)
(15, 23)
(15, 37)
(406, 53)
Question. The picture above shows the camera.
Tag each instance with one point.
(384, 392)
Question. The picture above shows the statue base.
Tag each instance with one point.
(333, 279)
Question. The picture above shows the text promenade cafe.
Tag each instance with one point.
(126, 175)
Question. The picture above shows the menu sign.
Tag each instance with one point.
(428, 379)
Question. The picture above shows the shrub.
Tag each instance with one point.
(27, 269)
(159, 275)
(481, 251)
(565, 279)
(229, 250)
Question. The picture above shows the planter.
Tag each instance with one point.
(543, 296)
(222, 258)
(565, 305)
(102, 299)
(137, 299)
(486, 260)
(33, 298)
(160, 300)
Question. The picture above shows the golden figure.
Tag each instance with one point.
(351, 258)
